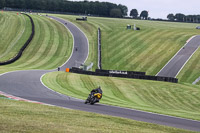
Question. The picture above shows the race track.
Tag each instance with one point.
(81, 45)
(174, 66)
(27, 85)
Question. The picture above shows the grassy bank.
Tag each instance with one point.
(14, 32)
(191, 70)
(146, 50)
(28, 117)
(165, 98)
(50, 47)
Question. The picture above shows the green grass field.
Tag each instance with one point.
(50, 47)
(27, 117)
(180, 100)
(146, 50)
(14, 32)
(191, 70)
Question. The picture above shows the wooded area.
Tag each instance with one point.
(184, 18)
(106, 9)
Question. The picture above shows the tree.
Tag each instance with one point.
(117, 13)
(144, 14)
(180, 17)
(171, 17)
(78, 7)
(198, 18)
(134, 13)
(124, 9)
(2, 3)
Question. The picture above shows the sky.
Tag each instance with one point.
(160, 8)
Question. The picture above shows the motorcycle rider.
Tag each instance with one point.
(95, 91)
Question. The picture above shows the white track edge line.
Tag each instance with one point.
(101, 104)
(122, 107)
(73, 38)
(176, 54)
(151, 112)
(53, 90)
(186, 61)
(73, 41)
(98, 103)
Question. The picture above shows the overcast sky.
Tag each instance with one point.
(161, 8)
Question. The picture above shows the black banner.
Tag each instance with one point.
(124, 74)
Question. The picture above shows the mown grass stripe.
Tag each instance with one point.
(10, 31)
(24, 30)
(44, 48)
(126, 96)
(138, 43)
(167, 98)
(191, 70)
(31, 55)
(126, 40)
(150, 54)
(72, 86)
(51, 46)
(133, 54)
(14, 41)
(100, 23)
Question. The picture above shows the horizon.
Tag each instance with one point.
(158, 8)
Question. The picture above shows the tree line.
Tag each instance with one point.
(143, 15)
(184, 18)
(106, 9)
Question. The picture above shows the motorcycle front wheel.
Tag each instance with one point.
(93, 100)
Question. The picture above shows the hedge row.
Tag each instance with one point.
(23, 47)
(124, 74)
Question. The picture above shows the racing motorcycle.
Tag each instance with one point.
(93, 98)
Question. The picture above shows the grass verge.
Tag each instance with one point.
(50, 47)
(27, 117)
(15, 31)
(146, 50)
(180, 100)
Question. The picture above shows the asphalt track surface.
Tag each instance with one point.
(80, 46)
(28, 85)
(175, 65)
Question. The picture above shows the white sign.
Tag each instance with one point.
(118, 72)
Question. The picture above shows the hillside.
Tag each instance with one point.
(14, 32)
(29, 117)
(165, 98)
(146, 50)
(50, 47)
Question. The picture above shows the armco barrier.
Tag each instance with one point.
(23, 47)
(123, 74)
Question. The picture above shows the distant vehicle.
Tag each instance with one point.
(82, 18)
(198, 27)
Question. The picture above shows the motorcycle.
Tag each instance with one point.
(93, 98)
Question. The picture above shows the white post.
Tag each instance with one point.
(134, 28)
